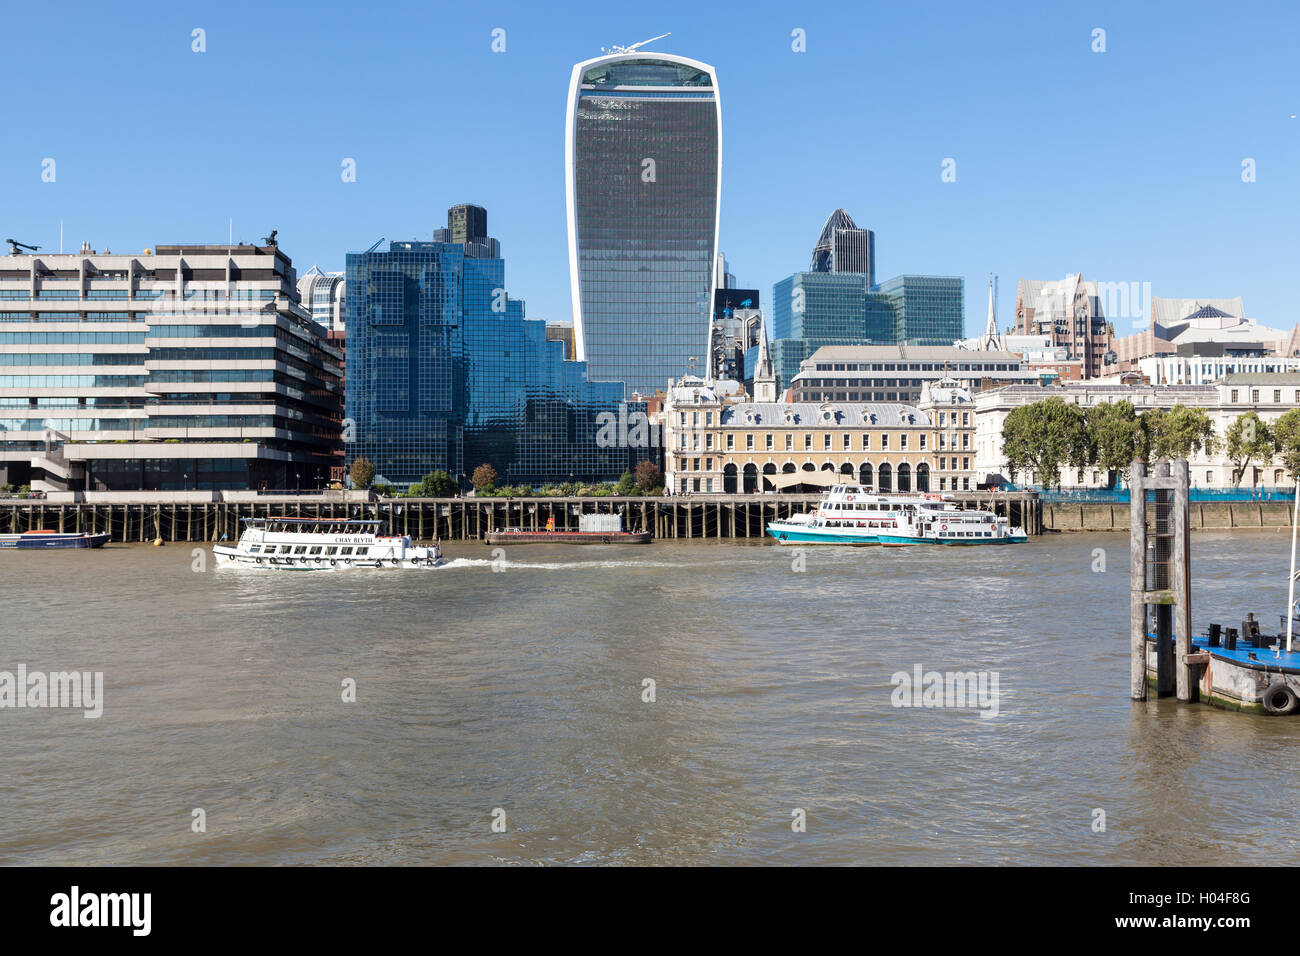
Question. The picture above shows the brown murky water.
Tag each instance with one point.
(521, 690)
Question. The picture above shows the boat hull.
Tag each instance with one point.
(567, 537)
(784, 535)
(233, 558)
(51, 541)
(900, 540)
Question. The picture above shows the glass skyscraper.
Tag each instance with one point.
(445, 372)
(812, 309)
(928, 310)
(643, 151)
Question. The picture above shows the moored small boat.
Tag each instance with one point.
(46, 540)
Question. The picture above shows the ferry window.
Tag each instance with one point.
(345, 551)
(301, 549)
(315, 550)
(331, 550)
(255, 549)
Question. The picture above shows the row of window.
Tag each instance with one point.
(1234, 396)
(942, 463)
(691, 441)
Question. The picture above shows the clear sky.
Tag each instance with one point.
(1125, 165)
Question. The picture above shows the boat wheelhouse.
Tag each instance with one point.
(309, 544)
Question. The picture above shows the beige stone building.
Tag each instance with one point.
(718, 442)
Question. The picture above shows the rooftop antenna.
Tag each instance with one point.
(634, 47)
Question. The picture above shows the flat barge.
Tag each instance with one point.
(515, 536)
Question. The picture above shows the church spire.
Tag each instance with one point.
(990, 343)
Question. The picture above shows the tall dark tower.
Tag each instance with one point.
(467, 223)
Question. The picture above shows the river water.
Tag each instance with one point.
(518, 687)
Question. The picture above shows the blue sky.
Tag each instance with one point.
(1125, 165)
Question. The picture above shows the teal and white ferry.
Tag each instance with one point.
(851, 515)
(847, 514)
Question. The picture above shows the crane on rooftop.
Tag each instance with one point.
(634, 47)
(15, 245)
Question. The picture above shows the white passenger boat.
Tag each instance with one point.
(942, 522)
(851, 515)
(846, 515)
(316, 544)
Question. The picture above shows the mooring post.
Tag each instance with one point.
(1138, 582)
(1182, 583)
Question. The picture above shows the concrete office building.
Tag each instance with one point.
(184, 367)
(897, 373)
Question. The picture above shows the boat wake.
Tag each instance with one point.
(566, 565)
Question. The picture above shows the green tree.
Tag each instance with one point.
(1286, 439)
(1247, 439)
(1115, 436)
(363, 473)
(1179, 432)
(1045, 437)
(626, 485)
(484, 478)
(648, 477)
(436, 484)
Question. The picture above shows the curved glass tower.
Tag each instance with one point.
(643, 163)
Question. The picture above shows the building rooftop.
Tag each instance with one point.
(1262, 378)
(906, 353)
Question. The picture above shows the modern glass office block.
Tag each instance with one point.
(643, 156)
(445, 372)
(928, 310)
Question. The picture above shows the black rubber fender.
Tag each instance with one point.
(1279, 699)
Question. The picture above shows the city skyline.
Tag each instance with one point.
(1125, 164)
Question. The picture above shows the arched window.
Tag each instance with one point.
(768, 469)
(729, 479)
(864, 475)
(922, 477)
(884, 478)
(904, 477)
(751, 478)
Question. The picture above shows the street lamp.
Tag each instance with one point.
(297, 487)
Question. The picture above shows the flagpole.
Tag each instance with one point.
(1290, 599)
